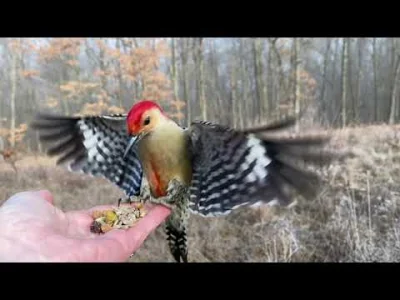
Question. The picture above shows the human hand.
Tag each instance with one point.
(33, 230)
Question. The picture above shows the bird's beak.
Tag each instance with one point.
(133, 141)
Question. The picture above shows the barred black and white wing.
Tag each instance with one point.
(234, 168)
(94, 145)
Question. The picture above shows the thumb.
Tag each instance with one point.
(137, 234)
(28, 196)
(46, 195)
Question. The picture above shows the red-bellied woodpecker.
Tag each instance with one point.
(207, 169)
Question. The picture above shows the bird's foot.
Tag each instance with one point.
(131, 200)
(175, 192)
(144, 196)
(165, 201)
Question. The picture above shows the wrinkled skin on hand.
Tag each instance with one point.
(32, 229)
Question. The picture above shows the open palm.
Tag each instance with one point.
(32, 229)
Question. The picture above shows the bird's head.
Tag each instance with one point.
(142, 118)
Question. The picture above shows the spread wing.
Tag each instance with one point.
(234, 168)
(94, 145)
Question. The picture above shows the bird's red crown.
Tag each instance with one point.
(135, 114)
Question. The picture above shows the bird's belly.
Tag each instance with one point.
(164, 160)
(158, 181)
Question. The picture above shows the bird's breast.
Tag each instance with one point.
(164, 155)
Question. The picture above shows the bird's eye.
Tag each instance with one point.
(146, 121)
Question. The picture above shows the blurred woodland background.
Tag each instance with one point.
(347, 85)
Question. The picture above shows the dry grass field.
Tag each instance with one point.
(356, 217)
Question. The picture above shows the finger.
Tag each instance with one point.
(46, 195)
(149, 222)
(118, 244)
(135, 236)
(99, 208)
(108, 207)
(83, 218)
(29, 196)
(130, 240)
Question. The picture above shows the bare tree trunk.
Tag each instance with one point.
(395, 88)
(345, 54)
(258, 74)
(103, 67)
(297, 63)
(270, 81)
(375, 66)
(214, 79)
(119, 75)
(282, 87)
(233, 82)
(357, 99)
(174, 74)
(139, 84)
(63, 101)
(184, 51)
(14, 72)
(244, 104)
(333, 113)
(39, 144)
(324, 72)
(198, 44)
(127, 45)
(33, 100)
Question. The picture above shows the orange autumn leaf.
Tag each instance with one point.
(29, 73)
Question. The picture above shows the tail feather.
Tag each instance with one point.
(177, 241)
(176, 225)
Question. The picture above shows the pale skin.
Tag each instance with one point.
(32, 229)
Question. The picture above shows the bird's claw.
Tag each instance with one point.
(131, 200)
(175, 191)
(165, 201)
(119, 202)
(125, 200)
